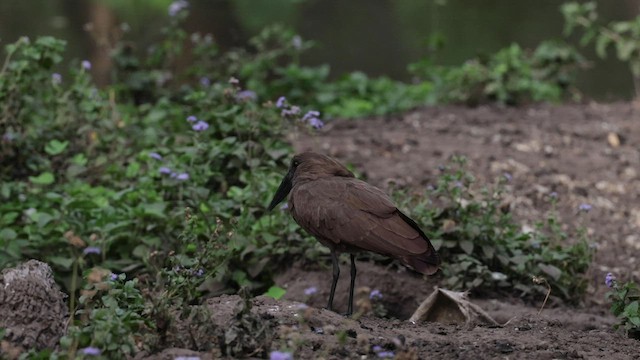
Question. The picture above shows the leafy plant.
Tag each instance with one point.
(625, 305)
(624, 36)
(486, 250)
(511, 76)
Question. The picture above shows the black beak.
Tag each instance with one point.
(283, 190)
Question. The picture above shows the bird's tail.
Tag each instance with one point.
(426, 263)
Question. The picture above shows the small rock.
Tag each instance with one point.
(613, 139)
(34, 311)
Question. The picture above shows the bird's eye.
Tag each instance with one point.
(295, 163)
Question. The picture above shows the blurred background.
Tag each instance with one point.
(378, 37)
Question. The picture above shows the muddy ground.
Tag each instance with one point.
(586, 153)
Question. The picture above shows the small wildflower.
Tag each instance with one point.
(177, 6)
(316, 123)
(155, 155)
(205, 82)
(173, 175)
(199, 273)
(280, 355)
(302, 306)
(386, 354)
(585, 207)
(86, 64)
(296, 42)
(284, 206)
(508, 176)
(91, 351)
(164, 170)
(200, 126)
(310, 291)
(281, 101)
(376, 348)
(310, 114)
(375, 294)
(292, 111)
(458, 184)
(113, 277)
(56, 78)
(610, 280)
(91, 250)
(192, 118)
(441, 167)
(553, 195)
(182, 176)
(234, 81)
(246, 95)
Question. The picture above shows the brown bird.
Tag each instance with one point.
(349, 215)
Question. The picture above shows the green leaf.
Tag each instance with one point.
(154, 209)
(45, 178)
(275, 292)
(551, 270)
(466, 246)
(8, 234)
(64, 262)
(55, 147)
(631, 309)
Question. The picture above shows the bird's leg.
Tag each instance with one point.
(353, 284)
(336, 275)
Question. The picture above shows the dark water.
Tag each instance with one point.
(379, 37)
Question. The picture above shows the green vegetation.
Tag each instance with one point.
(162, 178)
(487, 251)
(624, 36)
(625, 305)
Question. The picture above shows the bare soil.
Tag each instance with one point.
(586, 153)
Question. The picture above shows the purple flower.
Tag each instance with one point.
(553, 195)
(610, 280)
(177, 6)
(91, 250)
(113, 277)
(281, 101)
(376, 348)
(200, 126)
(56, 78)
(296, 42)
(182, 176)
(86, 64)
(155, 155)
(508, 176)
(280, 355)
(310, 114)
(246, 95)
(292, 111)
(199, 273)
(284, 206)
(316, 123)
(302, 306)
(164, 170)
(375, 294)
(585, 207)
(310, 291)
(91, 351)
(234, 81)
(192, 118)
(204, 81)
(386, 354)
(458, 184)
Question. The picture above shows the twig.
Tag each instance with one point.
(540, 280)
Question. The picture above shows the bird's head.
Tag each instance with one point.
(308, 166)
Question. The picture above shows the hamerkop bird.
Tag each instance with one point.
(349, 215)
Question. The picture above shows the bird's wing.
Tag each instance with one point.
(350, 211)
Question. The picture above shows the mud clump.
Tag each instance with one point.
(33, 308)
